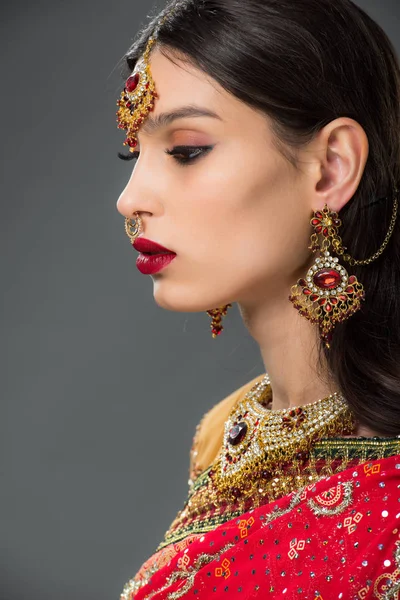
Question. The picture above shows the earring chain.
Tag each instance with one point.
(337, 243)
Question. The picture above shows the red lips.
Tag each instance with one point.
(153, 257)
(149, 247)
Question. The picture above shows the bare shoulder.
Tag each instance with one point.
(209, 433)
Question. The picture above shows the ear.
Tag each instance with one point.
(340, 152)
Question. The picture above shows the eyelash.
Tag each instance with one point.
(185, 151)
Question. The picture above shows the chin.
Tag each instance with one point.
(179, 299)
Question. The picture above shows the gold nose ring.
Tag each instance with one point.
(133, 228)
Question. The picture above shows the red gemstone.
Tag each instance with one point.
(328, 307)
(318, 229)
(342, 297)
(237, 433)
(319, 214)
(306, 291)
(326, 232)
(327, 279)
(334, 300)
(302, 282)
(352, 279)
(132, 82)
(322, 301)
(349, 290)
(314, 297)
(132, 143)
(315, 222)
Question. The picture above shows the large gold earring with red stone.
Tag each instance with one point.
(217, 315)
(327, 295)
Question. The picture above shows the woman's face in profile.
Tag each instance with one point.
(236, 215)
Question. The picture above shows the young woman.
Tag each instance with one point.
(267, 148)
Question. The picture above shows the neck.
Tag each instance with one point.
(289, 345)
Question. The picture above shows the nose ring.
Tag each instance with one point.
(133, 228)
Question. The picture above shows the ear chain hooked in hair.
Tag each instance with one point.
(339, 248)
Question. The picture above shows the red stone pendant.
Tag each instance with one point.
(327, 279)
(237, 433)
(132, 83)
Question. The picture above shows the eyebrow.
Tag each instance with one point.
(152, 124)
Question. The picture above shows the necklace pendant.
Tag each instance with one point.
(237, 433)
(260, 444)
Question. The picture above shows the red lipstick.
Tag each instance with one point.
(153, 257)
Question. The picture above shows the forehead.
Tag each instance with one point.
(179, 83)
(178, 80)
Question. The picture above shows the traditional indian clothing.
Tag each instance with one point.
(324, 526)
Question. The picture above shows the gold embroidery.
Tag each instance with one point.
(387, 585)
(332, 502)
(244, 526)
(279, 512)
(135, 584)
(156, 562)
(206, 508)
(295, 547)
(188, 575)
(224, 570)
(351, 522)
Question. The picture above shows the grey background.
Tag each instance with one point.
(100, 389)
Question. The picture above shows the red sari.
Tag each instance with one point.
(335, 538)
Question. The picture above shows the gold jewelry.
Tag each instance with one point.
(139, 94)
(339, 249)
(137, 99)
(259, 441)
(133, 230)
(328, 295)
(217, 314)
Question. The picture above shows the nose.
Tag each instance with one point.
(139, 195)
(126, 206)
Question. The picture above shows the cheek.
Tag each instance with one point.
(235, 211)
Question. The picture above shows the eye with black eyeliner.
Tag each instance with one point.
(184, 155)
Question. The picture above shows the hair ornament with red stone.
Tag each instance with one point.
(139, 94)
(137, 99)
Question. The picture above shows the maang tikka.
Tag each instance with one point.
(328, 294)
(134, 105)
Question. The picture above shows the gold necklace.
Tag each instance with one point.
(259, 441)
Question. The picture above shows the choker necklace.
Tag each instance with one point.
(259, 441)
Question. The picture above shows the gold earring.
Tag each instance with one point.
(327, 295)
(133, 230)
(217, 314)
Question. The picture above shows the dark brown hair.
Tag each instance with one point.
(305, 63)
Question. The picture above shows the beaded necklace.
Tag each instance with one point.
(259, 441)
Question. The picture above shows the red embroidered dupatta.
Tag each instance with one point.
(337, 538)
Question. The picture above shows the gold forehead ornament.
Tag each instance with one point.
(137, 98)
